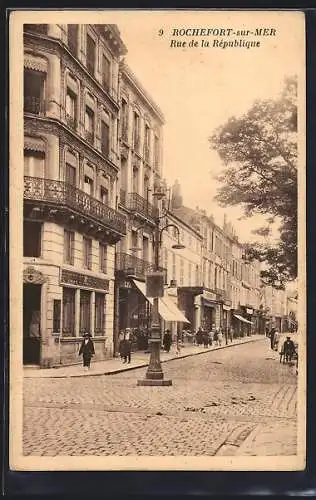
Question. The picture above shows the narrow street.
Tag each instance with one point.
(236, 401)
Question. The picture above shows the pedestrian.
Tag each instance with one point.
(220, 336)
(199, 336)
(205, 339)
(178, 344)
(271, 335)
(216, 337)
(230, 333)
(87, 350)
(210, 338)
(167, 340)
(125, 348)
(288, 349)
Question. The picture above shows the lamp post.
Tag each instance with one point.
(154, 375)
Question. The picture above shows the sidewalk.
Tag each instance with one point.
(139, 360)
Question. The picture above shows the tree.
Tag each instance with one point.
(259, 154)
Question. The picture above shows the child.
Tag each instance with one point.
(87, 350)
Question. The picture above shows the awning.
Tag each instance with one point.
(167, 309)
(244, 320)
(34, 144)
(35, 63)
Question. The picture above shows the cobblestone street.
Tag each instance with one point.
(236, 401)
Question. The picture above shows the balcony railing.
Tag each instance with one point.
(62, 193)
(129, 264)
(137, 203)
(33, 105)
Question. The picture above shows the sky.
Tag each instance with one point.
(198, 89)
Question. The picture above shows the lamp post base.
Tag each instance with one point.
(151, 382)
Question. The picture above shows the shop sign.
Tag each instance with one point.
(125, 284)
(77, 279)
(209, 295)
(249, 311)
(226, 308)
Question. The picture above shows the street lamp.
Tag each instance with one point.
(154, 375)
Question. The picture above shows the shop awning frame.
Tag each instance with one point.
(243, 320)
(167, 309)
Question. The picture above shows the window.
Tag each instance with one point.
(72, 38)
(84, 323)
(32, 236)
(34, 163)
(145, 248)
(90, 54)
(104, 195)
(124, 114)
(181, 272)
(156, 152)
(34, 92)
(69, 239)
(99, 322)
(106, 73)
(174, 267)
(71, 108)
(103, 256)
(190, 274)
(56, 316)
(136, 131)
(89, 125)
(197, 277)
(69, 312)
(87, 252)
(105, 138)
(147, 142)
(70, 174)
(135, 180)
(146, 186)
(88, 185)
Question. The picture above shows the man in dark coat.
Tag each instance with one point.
(272, 335)
(126, 347)
(288, 349)
(167, 340)
(87, 350)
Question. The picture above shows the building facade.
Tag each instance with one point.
(71, 168)
(141, 136)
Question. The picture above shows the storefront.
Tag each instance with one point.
(211, 310)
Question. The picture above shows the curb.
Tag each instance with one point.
(143, 365)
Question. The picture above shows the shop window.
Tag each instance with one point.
(103, 255)
(87, 252)
(56, 316)
(69, 240)
(105, 138)
(68, 312)
(72, 38)
(32, 236)
(90, 53)
(99, 320)
(34, 92)
(85, 297)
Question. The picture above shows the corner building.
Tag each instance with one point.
(71, 166)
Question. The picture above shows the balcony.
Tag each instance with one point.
(138, 204)
(131, 265)
(69, 199)
(34, 105)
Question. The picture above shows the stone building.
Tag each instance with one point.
(71, 168)
(140, 136)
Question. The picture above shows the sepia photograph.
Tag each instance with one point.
(157, 240)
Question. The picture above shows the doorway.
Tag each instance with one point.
(31, 324)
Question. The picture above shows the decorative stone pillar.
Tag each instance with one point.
(53, 86)
(52, 167)
(77, 313)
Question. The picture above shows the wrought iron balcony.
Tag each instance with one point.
(33, 105)
(141, 206)
(63, 194)
(134, 266)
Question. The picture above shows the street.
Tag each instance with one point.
(235, 401)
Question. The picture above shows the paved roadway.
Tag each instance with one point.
(236, 401)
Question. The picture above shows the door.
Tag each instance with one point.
(31, 324)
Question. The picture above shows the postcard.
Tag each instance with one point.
(157, 240)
